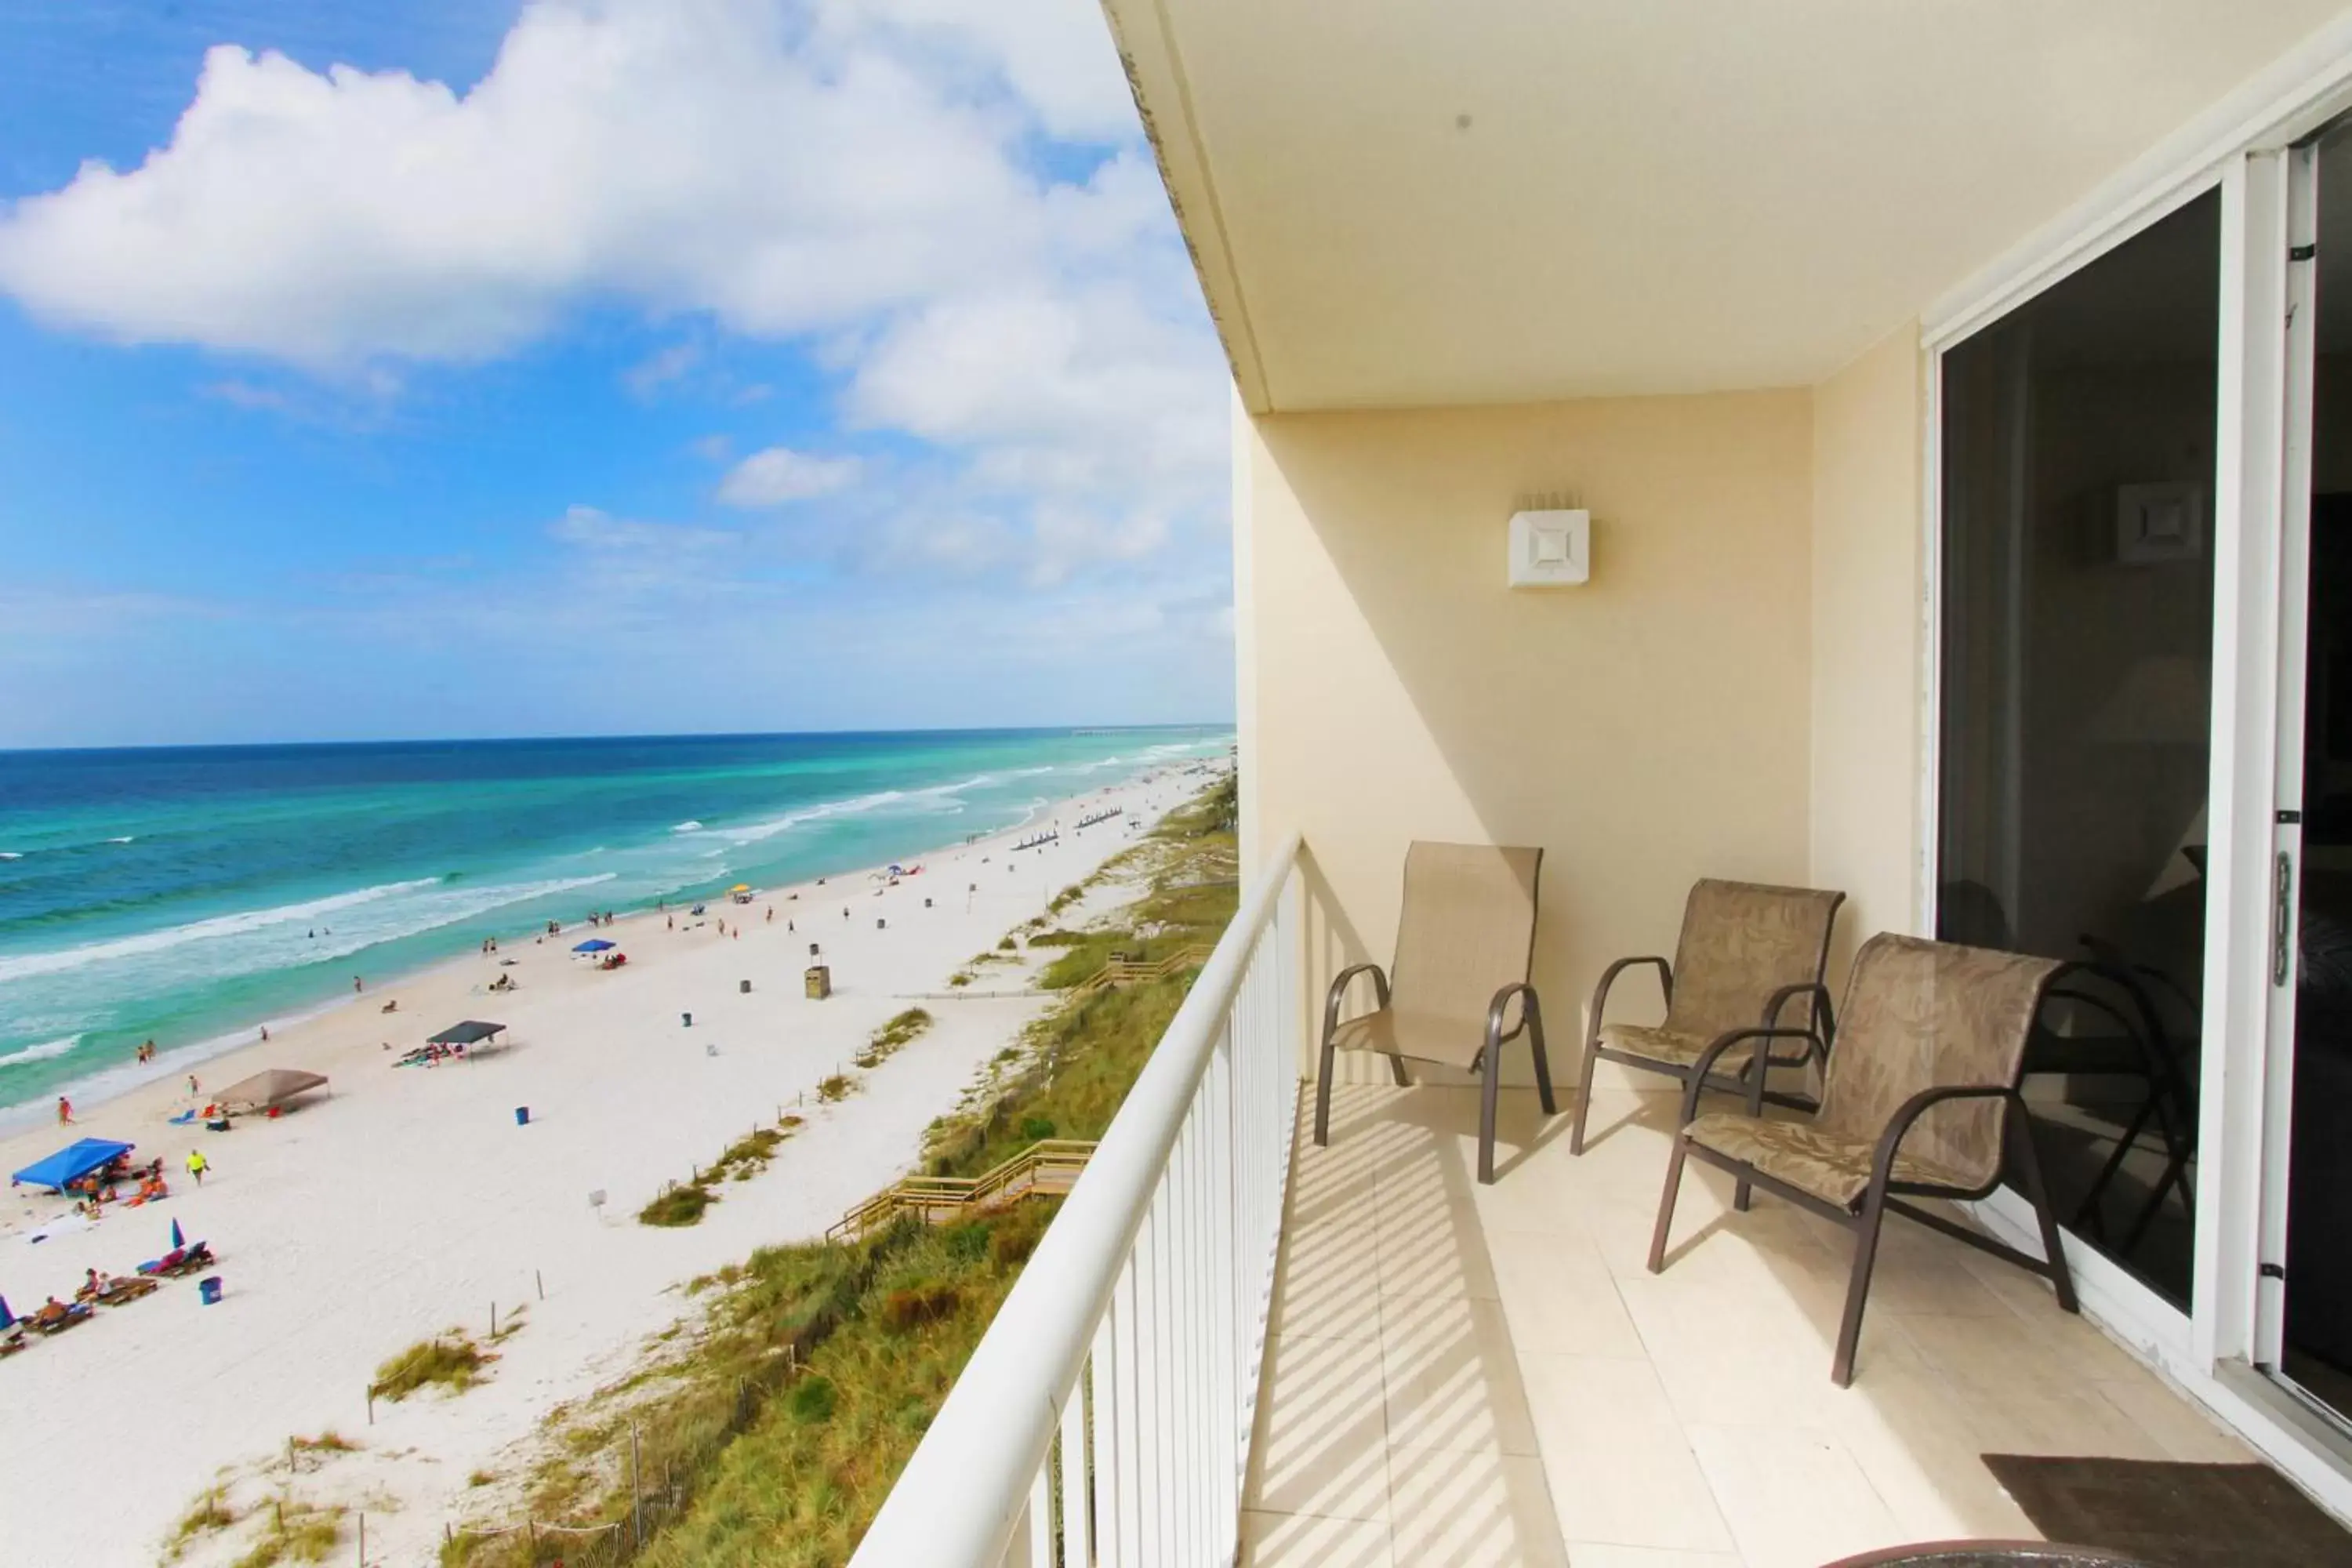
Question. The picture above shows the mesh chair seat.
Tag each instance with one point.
(1449, 1042)
(1833, 1166)
(1673, 1048)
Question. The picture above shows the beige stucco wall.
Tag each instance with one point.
(1646, 729)
(1868, 638)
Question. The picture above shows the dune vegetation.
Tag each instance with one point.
(770, 1430)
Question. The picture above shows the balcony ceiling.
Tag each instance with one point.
(1648, 195)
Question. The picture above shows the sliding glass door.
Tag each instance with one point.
(2077, 642)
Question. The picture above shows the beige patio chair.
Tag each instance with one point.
(1746, 954)
(1919, 1099)
(1464, 943)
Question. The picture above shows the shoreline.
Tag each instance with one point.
(102, 1087)
(398, 1203)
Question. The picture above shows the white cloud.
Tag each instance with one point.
(588, 528)
(778, 476)
(659, 369)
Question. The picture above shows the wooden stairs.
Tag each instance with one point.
(1048, 1165)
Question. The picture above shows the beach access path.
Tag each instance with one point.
(400, 1202)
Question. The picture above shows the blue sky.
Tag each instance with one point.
(593, 367)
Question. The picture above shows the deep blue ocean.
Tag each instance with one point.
(185, 894)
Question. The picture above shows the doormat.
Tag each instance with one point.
(2175, 1515)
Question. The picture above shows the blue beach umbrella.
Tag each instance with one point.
(6, 1317)
(178, 1241)
(593, 944)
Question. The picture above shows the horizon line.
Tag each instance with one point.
(555, 739)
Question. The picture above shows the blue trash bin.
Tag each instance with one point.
(208, 1289)
(686, 1020)
(523, 1116)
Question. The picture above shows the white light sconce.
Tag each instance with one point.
(1551, 548)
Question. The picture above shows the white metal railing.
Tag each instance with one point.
(1105, 1417)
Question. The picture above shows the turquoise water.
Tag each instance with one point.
(185, 894)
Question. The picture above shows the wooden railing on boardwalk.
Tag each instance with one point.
(1049, 1165)
(1128, 971)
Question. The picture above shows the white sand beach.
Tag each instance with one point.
(398, 1203)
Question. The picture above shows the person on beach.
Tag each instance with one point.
(65, 1112)
(357, 985)
(198, 1165)
(192, 1090)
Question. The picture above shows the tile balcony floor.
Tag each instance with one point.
(1463, 1376)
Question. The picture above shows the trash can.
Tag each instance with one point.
(208, 1289)
(746, 985)
(813, 950)
(523, 1116)
(879, 922)
(927, 903)
(820, 982)
(686, 1020)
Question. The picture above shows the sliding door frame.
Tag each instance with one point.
(2241, 148)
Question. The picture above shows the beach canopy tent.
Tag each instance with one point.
(593, 944)
(71, 1163)
(465, 1034)
(272, 1086)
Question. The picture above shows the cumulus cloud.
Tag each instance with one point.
(780, 476)
(860, 177)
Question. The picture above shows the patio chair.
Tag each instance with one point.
(1746, 952)
(1918, 1101)
(1465, 945)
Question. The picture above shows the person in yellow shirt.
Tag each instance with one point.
(198, 1165)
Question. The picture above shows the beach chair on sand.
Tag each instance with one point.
(124, 1290)
(1919, 1099)
(1465, 942)
(46, 1321)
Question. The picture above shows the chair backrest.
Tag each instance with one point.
(1468, 930)
(1927, 1014)
(1740, 943)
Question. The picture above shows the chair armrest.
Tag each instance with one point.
(1340, 992)
(1822, 1033)
(1609, 977)
(1530, 1012)
(1882, 1164)
(1704, 1065)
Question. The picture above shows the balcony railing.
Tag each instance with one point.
(1105, 1417)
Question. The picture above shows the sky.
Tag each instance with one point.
(451, 368)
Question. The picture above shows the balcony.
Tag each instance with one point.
(1235, 1345)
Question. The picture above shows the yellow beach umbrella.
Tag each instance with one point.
(741, 888)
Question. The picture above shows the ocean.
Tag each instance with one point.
(187, 894)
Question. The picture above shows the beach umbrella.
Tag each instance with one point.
(6, 1317)
(273, 1086)
(178, 1241)
(741, 888)
(593, 944)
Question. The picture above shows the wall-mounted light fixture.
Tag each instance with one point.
(1551, 546)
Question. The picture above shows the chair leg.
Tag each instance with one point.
(1857, 1289)
(1583, 1098)
(1489, 1081)
(1666, 1205)
(1759, 1067)
(1543, 1064)
(1396, 1071)
(1323, 1095)
(2029, 1161)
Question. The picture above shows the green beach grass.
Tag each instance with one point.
(770, 1432)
